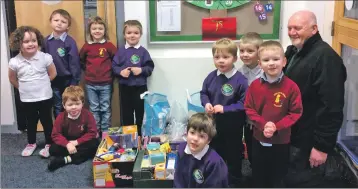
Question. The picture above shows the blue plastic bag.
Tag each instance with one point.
(156, 112)
(194, 104)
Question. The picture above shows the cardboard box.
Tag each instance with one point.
(145, 178)
(115, 173)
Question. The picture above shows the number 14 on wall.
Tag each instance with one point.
(268, 7)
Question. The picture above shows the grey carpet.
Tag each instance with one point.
(31, 172)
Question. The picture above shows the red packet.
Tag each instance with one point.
(216, 28)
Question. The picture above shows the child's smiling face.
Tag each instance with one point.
(249, 54)
(29, 45)
(132, 35)
(97, 31)
(272, 62)
(73, 107)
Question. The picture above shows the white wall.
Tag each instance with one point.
(177, 66)
(8, 123)
(181, 66)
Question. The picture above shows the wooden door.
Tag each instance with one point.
(37, 14)
(25, 11)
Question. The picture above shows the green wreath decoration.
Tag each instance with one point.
(218, 4)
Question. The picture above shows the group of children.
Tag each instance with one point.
(258, 99)
(47, 73)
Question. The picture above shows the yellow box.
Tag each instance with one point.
(159, 171)
(130, 129)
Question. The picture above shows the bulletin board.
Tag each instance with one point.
(247, 20)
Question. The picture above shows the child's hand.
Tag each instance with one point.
(71, 148)
(218, 109)
(269, 129)
(268, 134)
(74, 142)
(270, 125)
(125, 73)
(136, 70)
(209, 108)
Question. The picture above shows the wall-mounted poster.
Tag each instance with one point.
(207, 20)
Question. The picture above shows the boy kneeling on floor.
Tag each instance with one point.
(199, 166)
(74, 131)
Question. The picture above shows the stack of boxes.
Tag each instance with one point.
(155, 166)
(115, 157)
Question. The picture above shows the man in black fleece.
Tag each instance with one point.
(320, 74)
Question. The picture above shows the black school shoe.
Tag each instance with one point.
(56, 163)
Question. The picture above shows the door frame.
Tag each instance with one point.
(107, 10)
(345, 30)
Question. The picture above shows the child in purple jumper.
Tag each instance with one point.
(133, 64)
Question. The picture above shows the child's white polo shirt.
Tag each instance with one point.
(34, 81)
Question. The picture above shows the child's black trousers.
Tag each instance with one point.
(85, 151)
(228, 142)
(131, 102)
(269, 164)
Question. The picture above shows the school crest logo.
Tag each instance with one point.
(198, 176)
(279, 97)
(101, 52)
(135, 59)
(61, 52)
(227, 90)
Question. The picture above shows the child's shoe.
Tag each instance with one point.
(56, 163)
(29, 149)
(45, 151)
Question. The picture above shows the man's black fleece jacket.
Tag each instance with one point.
(320, 74)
